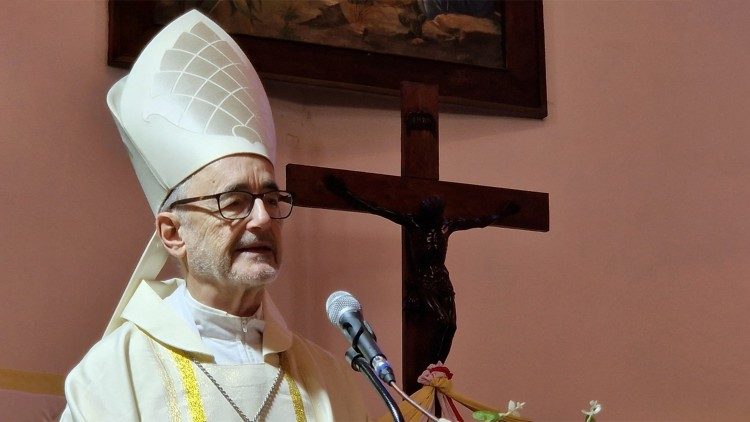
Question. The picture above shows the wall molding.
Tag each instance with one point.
(32, 382)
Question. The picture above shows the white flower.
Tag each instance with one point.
(514, 408)
(595, 408)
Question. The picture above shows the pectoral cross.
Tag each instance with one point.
(428, 210)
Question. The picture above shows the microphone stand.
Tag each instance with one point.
(360, 364)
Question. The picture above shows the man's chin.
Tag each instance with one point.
(259, 275)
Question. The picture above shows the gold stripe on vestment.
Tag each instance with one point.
(171, 392)
(299, 408)
(187, 373)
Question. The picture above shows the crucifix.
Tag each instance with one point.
(428, 210)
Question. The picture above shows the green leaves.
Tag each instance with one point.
(486, 416)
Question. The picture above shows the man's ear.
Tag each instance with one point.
(168, 228)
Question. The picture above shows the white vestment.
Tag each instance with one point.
(143, 371)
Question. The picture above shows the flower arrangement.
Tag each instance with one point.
(514, 412)
(438, 387)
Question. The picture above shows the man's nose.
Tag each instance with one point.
(259, 217)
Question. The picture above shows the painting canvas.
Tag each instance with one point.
(488, 53)
(466, 31)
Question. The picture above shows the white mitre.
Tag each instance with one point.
(191, 98)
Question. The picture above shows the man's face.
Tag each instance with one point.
(245, 252)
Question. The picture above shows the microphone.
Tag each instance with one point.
(345, 312)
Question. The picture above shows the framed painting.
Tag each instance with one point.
(486, 53)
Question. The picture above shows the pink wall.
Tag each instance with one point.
(637, 296)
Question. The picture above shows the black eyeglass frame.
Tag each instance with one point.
(254, 196)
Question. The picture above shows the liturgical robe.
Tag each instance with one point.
(143, 371)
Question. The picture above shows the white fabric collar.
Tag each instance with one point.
(215, 323)
(148, 311)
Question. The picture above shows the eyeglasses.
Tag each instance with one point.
(236, 205)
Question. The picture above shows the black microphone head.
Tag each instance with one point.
(339, 303)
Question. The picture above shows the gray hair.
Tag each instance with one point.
(178, 192)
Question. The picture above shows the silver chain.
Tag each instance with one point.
(266, 401)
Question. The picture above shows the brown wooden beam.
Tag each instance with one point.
(403, 195)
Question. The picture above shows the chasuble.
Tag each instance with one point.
(144, 370)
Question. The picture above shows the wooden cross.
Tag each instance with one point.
(425, 338)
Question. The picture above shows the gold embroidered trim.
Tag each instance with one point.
(195, 404)
(299, 409)
(172, 408)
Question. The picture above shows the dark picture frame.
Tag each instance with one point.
(517, 90)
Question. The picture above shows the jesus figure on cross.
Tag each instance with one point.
(429, 292)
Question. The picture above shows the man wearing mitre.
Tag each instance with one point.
(198, 129)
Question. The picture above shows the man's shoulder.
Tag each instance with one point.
(313, 354)
(120, 338)
(102, 385)
(110, 349)
(311, 347)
